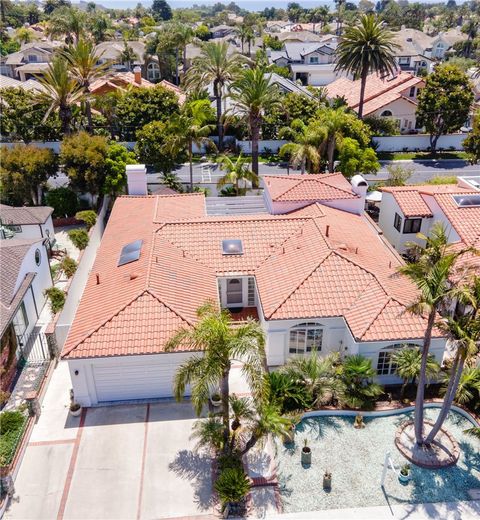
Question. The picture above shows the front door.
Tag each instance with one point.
(234, 292)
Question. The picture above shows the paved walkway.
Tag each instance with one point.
(118, 462)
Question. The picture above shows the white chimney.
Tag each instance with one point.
(136, 179)
(360, 187)
(137, 71)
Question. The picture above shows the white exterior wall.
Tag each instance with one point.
(388, 208)
(222, 289)
(402, 110)
(37, 230)
(398, 143)
(318, 75)
(83, 383)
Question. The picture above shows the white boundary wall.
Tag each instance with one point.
(399, 143)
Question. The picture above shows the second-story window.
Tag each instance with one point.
(412, 225)
(412, 92)
(313, 59)
(397, 223)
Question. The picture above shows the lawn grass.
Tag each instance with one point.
(403, 156)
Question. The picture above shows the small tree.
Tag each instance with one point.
(472, 143)
(56, 298)
(444, 103)
(232, 486)
(398, 175)
(64, 202)
(24, 173)
(117, 159)
(79, 238)
(83, 157)
(150, 146)
(355, 160)
(88, 216)
(161, 10)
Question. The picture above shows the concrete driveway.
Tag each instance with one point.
(119, 462)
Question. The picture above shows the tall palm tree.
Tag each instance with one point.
(431, 272)
(61, 91)
(216, 66)
(83, 64)
(243, 32)
(365, 48)
(191, 127)
(221, 342)
(304, 151)
(333, 122)
(464, 330)
(127, 55)
(238, 170)
(183, 35)
(408, 362)
(253, 96)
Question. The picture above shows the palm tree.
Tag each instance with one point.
(304, 151)
(268, 421)
(243, 32)
(316, 374)
(464, 331)
(127, 55)
(183, 35)
(83, 64)
(468, 386)
(208, 433)
(61, 91)
(253, 96)
(470, 28)
(191, 127)
(333, 122)
(365, 48)
(236, 171)
(473, 432)
(408, 362)
(23, 35)
(67, 21)
(220, 342)
(357, 375)
(430, 272)
(214, 66)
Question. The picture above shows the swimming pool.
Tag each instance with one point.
(355, 458)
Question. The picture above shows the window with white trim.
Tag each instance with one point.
(313, 60)
(385, 363)
(412, 225)
(305, 338)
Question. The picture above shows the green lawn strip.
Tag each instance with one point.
(404, 156)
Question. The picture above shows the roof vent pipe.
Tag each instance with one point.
(98, 278)
(327, 231)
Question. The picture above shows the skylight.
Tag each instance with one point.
(130, 252)
(467, 201)
(232, 246)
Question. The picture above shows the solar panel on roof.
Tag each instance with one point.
(465, 201)
(130, 252)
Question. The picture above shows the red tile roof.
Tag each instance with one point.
(301, 270)
(306, 188)
(379, 91)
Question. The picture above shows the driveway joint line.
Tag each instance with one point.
(144, 455)
(71, 467)
(53, 442)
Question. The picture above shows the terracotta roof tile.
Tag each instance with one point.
(306, 188)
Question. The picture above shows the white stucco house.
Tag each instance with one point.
(27, 222)
(24, 276)
(408, 210)
(316, 272)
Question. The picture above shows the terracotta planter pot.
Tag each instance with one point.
(76, 413)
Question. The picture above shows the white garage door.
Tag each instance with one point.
(130, 381)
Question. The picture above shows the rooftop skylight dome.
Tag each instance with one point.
(466, 201)
(130, 252)
(232, 246)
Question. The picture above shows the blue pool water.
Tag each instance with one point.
(355, 458)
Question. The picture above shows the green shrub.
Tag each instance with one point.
(79, 238)
(68, 266)
(232, 485)
(57, 299)
(63, 201)
(231, 461)
(11, 421)
(12, 424)
(89, 217)
(443, 180)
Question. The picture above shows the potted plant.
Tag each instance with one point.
(327, 480)
(216, 399)
(306, 454)
(359, 424)
(404, 475)
(75, 409)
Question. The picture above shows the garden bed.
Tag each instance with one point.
(12, 428)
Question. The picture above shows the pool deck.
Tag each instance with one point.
(468, 510)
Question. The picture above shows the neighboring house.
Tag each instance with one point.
(24, 276)
(299, 37)
(287, 86)
(32, 58)
(122, 81)
(408, 210)
(311, 63)
(33, 222)
(221, 31)
(31, 84)
(112, 51)
(394, 97)
(318, 277)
